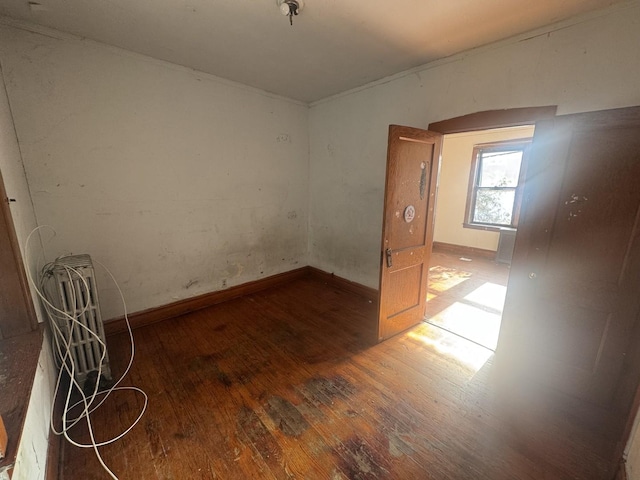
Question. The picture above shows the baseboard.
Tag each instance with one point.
(54, 448)
(54, 451)
(188, 305)
(344, 284)
(463, 250)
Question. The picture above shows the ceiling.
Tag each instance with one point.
(333, 45)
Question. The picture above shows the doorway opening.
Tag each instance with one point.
(476, 218)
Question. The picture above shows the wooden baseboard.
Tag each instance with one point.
(464, 250)
(54, 448)
(54, 451)
(344, 284)
(188, 305)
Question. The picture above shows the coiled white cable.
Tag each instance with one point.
(62, 344)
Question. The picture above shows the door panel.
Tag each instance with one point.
(574, 291)
(412, 162)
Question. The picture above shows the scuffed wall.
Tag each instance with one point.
(587, 64)
(179, 182)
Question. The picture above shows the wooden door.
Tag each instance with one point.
(574, 291)
(413, 158)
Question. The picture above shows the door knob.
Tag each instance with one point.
(532, 275)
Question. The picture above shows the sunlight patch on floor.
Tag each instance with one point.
(489, 295)
(470, 355)
(470, 322)
(442, 279)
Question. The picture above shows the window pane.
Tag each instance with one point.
(499, 169)
(494, 206)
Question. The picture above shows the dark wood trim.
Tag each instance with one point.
(344, 284)
(54, 452)
(181, 307)
(55, 444)
(18, 364)
(188, 305)
(23, 319)
(463, 250)
(494, 119)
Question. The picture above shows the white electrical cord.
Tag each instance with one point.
(62, 345)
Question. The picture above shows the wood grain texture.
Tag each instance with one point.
(344, 284)
(573, 299)
(494, 119)
(464, 251)
(285, 383)
(18, 362)
(413, 161)
(188, 305)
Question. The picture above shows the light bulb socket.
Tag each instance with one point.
(286, 6)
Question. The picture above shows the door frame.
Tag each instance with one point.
(526, 116)
(490, 119)
(25, 319)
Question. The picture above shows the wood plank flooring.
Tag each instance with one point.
(466, 295)
(286, 384)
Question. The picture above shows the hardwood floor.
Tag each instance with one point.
(285, 383)
(466, 295)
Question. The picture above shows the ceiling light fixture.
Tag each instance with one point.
(290, 8)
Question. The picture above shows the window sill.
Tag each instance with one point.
(18, 363)
(487, 228)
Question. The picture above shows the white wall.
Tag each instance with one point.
(32, 451)
(15, 184)
(592, 64)
(455, 167)
(179, 182)
(31, 459)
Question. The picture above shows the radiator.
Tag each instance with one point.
(505, 245)
(78, 298)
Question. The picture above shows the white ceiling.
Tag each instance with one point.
(333, 45)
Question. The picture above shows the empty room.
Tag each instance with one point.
(320, 240)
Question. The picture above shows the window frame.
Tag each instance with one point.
(523, 144)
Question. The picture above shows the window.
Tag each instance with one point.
(495, 185)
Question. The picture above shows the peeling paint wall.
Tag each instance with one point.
(180, 182)
(588, 64)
